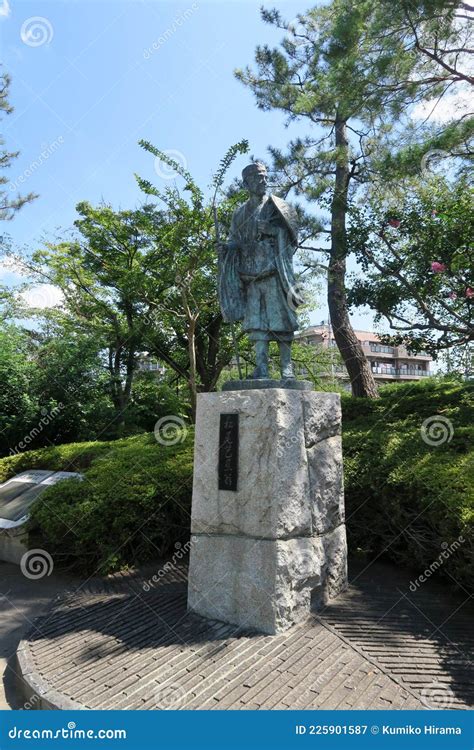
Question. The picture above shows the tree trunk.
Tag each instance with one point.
(192, 382)
(360, 374)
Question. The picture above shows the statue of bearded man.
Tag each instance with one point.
(256, 275)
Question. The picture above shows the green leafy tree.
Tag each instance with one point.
(71, 383)
(143, 281)
(190, 309)
(417, 262)
(350, 71)
(100, 273)
(19, 403)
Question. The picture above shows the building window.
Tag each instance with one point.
(381, 348)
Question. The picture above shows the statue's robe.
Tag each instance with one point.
(256, 277)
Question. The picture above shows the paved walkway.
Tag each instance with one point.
(21, 601)
(115, 644)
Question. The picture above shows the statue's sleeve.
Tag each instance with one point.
(234, 234)
(229, 283)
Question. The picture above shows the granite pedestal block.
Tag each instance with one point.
(261, 554)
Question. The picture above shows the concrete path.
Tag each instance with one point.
(21, 601)
(120, 643)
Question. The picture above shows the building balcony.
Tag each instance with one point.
(416, 374)
(394, 373)
(402, 353)
(373, 354)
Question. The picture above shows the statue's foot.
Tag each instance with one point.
(260, 372)
(287, 372)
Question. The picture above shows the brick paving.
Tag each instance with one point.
(21, 600)
(114, 645)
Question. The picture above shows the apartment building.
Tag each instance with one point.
(146, 363)
(388, 363)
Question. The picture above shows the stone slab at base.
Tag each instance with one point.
(265, 584)
(262, 553)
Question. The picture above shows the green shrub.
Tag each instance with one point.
(68, 457)
(133, 504)
(406, 499)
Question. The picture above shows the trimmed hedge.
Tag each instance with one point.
(407, 500)
(132, 506)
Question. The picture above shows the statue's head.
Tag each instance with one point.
(254, 177)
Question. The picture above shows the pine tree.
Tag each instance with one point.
(8, 205)
(350, 70)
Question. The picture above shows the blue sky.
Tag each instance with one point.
(92, 77)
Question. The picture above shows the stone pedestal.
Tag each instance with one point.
(262, 554)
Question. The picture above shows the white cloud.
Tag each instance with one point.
(448, 108)
(43, 296)
(5, 9)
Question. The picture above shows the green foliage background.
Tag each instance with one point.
(405, 498)
(133, 504)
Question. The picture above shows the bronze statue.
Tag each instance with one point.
(256, 276)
